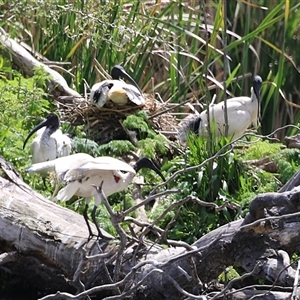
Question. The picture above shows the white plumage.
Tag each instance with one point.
(116, 90)
(50, 143)
(79, 180)
(242, 112)
(79, 172)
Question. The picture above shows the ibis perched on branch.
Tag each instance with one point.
(241, 111)
(50, 143)
(116, 90)
(81, 172)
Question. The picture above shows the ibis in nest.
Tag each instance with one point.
(116, 90)
(50, 143)
(81, 172)
(241, 111)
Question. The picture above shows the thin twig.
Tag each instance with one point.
(256, 222)
(8, 257)
(295, 295)
(148, 199)
(115, 220)
(76, 282)
(220, 153)
(230, 284)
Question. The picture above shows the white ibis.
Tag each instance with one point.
(242, 112)
(116, 90)
(81, 172)
(50, 142)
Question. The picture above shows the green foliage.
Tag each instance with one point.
(116, 148)
(288, 162)
(150, 143)
(84, 145)
(20, 103)
(224, 178)
(138, 123)
(258, 149)
(229, 274)
(216, 181)
(168, 51)
(220, 175)
(151, 147)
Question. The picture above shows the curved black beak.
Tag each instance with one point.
(35, 129)
(145, 162)
(52, 121)
(118, 71)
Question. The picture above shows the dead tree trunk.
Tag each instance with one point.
(57, 85)
(46, 239)
(45, 244)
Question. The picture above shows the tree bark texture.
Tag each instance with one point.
(57, 85)
(53, 253)
(46, 236)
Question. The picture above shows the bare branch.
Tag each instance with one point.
(230, 284)
(115, 220)
(223, 152)
(57, 85)
(8, 257)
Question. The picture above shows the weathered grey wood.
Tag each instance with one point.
(43, 233)
(293, 182)
(50, 239)
(57, 85)
(259, 295)
(253, 246)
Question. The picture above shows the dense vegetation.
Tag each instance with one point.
(181, 53)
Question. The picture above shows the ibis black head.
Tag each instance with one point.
(194, 125)
(51, 122)
(145, 162)
(118, 71)
(257, 81)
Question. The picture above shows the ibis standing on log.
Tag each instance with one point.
(116, 90)
(81, 172)
(50, 142)
(241, 111)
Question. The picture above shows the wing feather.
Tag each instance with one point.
(93, 167)
(240, 114)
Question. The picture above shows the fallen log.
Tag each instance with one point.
(46, 245)
(57, 85)
(46, 236)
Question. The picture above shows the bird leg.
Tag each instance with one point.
(57, 186)
(100, 235)
(44, 182)
(87, 222)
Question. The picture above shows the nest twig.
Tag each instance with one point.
(105, 124)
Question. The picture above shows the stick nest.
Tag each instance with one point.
(105, 124)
